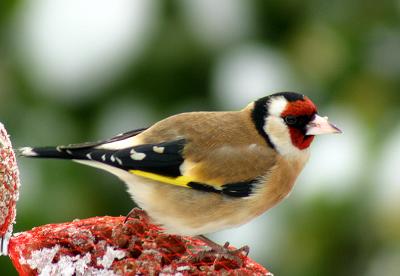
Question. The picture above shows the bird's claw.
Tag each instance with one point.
(222, 252)
(245, 249)
(129, 215)
(136, 213)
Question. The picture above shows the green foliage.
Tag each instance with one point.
(339, 53)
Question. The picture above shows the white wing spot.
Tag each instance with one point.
(119, 161)
(112, 158)
(159, 150)
(89, 156)
(137, 155)
(103, 157)
(58, 148)
(69, 152)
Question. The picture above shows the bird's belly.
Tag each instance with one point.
(191, 212)
(186, 211)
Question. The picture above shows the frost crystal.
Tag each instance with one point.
(109, 257)
(183, 268)
(41, 258)
(42, 261)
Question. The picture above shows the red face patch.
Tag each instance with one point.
(300, 108)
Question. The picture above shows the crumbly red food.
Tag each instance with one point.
(9, 187)
(107, 245)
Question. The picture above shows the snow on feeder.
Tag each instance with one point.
(108, 246)
(9, 187)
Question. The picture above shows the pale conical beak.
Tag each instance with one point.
(321, 125)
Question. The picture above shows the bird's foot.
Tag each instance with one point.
(222, 252)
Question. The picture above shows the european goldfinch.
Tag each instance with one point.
(200, 172)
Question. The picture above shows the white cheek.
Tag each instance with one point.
(279, 135)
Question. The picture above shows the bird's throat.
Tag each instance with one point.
(299, 140)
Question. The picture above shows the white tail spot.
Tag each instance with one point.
(119, 161)
(27, 151)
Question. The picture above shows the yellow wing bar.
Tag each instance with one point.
(240, 189)
(181, 181)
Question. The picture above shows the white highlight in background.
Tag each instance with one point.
(121, 115)
(250, 72)
(218, 24)
(73, 45)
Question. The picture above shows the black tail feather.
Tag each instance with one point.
(54, 152)
(163, 158)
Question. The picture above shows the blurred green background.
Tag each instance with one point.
(74, 71)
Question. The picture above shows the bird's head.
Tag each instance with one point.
(289, 121)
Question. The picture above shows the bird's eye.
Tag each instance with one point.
(290, 120)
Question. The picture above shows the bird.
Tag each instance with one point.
(197, 173)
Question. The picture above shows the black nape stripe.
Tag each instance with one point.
(258, 115)
(239, 189)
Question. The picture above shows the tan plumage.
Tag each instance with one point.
(209, 155)
(200, 172)
(208, 150)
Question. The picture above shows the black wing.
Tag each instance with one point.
(162, 158)
(160, 161)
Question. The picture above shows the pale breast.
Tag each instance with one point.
(190, 212)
